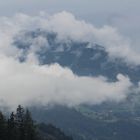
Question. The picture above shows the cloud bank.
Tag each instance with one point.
(27, 83)
(30, 83)
(68, 27)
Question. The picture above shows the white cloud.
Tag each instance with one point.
(30, 83)
(27, 83)
(67, 27)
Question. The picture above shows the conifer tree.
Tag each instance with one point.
(12, 129)
(20, 122)
(29, 127)
(3, 127)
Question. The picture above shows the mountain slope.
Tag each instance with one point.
(83, 58)
(108, 121)
(103, 126)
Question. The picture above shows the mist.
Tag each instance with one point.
(31, 83)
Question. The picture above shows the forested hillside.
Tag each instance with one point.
(20, 126)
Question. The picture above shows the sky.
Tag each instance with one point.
(113, 24)
(123, 14)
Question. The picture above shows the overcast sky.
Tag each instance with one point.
(123, 14)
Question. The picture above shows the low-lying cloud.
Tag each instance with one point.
(31, 83)
(27, 83)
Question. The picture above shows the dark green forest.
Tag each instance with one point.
(21, 126)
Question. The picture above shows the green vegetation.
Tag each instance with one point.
(20, 126)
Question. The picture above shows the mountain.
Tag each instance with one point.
(85, 123)
(107, 121)
(50, 132)
(83, 58)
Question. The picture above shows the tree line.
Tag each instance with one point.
(19, 126)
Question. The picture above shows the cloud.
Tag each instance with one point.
(30, 84)
(67, 27)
